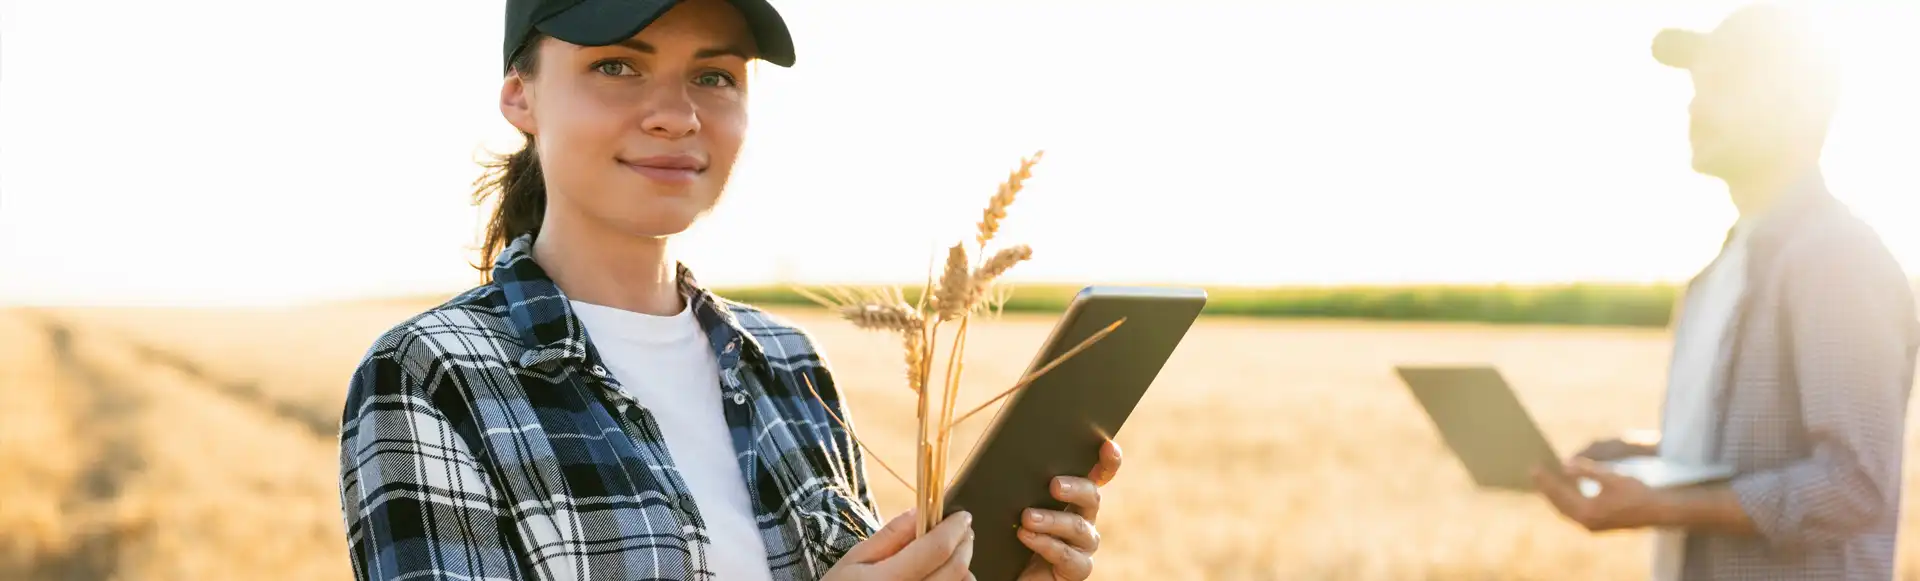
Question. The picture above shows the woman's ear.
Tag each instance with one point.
(515, 105)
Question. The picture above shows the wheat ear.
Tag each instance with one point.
(916, 359)
(882, 316)
(1001, 262)
(997, 208)
(995, 266)
(951, 302)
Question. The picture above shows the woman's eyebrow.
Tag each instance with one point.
(730, 50)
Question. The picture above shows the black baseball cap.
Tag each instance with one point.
(605, 22)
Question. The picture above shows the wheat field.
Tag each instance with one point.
(199, 444)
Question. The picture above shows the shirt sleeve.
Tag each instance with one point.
(1851, 323)
(415, 503)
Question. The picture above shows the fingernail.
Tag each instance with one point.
(1034, 516)
(966, 518)
(1062, 484)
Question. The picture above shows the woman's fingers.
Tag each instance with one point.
(1109, 465)
(1068, 562)
(956, 567)
(1066, 526)
(928, 553)
(884, 542)
(1079, 492)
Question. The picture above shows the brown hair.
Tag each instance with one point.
(514, 180)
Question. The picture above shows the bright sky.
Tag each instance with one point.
(197, 151)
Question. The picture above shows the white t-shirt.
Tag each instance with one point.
(666, 364)
(1686, 431)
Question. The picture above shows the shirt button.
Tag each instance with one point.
(739, 398)
(599, 370)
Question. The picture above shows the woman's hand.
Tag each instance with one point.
(1063, 543)
(892, 554)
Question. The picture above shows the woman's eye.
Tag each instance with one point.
(714, 79)
(614, 68)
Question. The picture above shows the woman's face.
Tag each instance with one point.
(639, 136)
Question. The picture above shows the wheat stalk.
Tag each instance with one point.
(997, 207)
(956, 294)
(849, 430)
(1028, 380)
(943, 439)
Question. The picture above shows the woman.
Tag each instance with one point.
(491, 438)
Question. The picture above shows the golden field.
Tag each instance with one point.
(198, 444)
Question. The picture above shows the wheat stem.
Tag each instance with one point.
(1084, 344)
(817, 299)
(956, 365)
(920, 458)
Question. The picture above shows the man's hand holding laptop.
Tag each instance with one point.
(1632, 445)
(1622, 501)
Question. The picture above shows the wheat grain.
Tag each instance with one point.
(916, 359)
(951, 302)
(997, 207)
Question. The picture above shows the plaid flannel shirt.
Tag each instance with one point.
(1812, 389)
(484, 439)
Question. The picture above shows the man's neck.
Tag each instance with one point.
(1757, 191)
(594, 264)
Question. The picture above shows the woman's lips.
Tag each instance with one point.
(672, 169)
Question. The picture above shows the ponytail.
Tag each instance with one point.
(515, 181)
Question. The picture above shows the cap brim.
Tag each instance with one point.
(602, 22)
(605, 22)
(1677, 48)
(769, 31)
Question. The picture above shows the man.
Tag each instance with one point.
(1794, 349)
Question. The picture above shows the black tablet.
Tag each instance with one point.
(1056, 425)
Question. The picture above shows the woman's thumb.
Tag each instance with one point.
(884, 543)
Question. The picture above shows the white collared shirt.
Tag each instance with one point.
(1687, 422)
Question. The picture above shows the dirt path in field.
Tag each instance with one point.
(318, 424)
(170, 475)
(111, 458)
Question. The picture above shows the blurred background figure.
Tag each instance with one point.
(1794, 351)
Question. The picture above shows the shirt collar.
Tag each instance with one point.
(544, 321)
(1806, 198)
